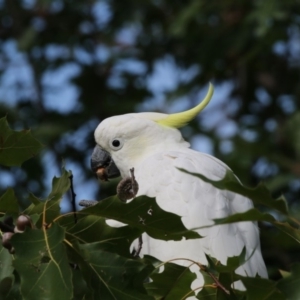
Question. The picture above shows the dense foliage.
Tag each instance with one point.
(66, 65)
(49, 255)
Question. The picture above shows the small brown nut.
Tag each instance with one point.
(22, 222)
(6, 241)
(102, 174)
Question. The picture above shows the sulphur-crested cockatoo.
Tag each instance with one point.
(152, 145)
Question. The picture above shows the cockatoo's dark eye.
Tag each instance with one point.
(116, 144)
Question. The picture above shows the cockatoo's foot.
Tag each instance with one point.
(127, 187)
(87, 203)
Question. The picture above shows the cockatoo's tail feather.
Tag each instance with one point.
(181, 119)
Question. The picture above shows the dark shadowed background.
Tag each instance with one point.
(67, 65)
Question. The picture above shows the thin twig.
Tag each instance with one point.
(217, 282)
(73, 196)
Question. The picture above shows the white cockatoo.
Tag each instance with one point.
(152, 145)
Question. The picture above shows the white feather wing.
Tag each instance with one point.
(198, 203)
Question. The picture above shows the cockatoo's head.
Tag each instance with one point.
(123, 141)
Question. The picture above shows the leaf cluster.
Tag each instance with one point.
(62, 257)
(102, 58)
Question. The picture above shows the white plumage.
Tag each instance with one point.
(156, 152)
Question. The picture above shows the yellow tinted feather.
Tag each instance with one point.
(181, 119)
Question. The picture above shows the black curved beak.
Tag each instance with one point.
(103, 165)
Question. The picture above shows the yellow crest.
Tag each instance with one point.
(181, 119)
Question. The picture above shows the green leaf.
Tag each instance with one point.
(6, 272)
(85, 277)
(50, 208)
(94, 229)
(42, 263)
(172, 283)
(278, 182)
(255, 215)
(232, 263)
(284, 273)
(16, 146)
(9, 202)
(5, 287)
(208, 292)
(79, 284)
(249, 215)
(6, 268)
(259, 195)
(143, 213)
(261, 288)
(225, 276)
(33, 199)
(289, 285)
(10, 288)
(112, 276)
(288, 229)
(60, 185)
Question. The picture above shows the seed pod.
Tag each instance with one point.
(22, 222)
(127, 187)
(6, 241)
